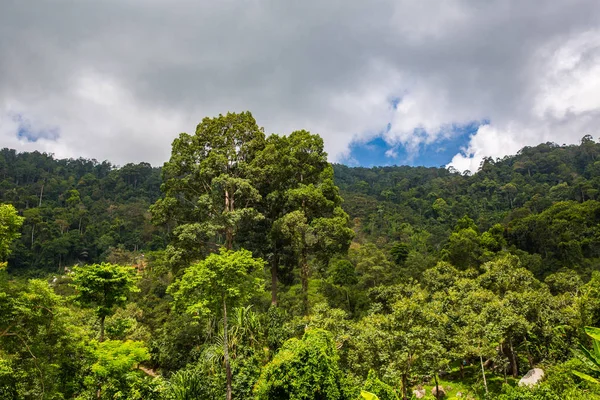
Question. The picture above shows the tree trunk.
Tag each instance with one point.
(228, 229)
(437, 387)
(102, 318)
(304, 262)
(530, 358)
(226, 350)
(304, 278)
(483, 373)
(404, 387)
(41, 195)
(274, 281)
(461, 367)
(513, 361)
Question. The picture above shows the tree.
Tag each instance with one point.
(113, 369)
(105, 287)
(476, 329)
(303, 369)
(399, 252)
(301, 204)
(463, 249)
(217, 283)
(43, 345)
(396, 340)
(207, 185)
(315, 224)
(10, 229)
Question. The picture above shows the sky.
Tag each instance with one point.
(384, 82)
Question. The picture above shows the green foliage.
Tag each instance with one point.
(114, 374)
(590, 358)
(10, 225)
(303, 369)
(75, 210)
(115, 358)
(463, 248)
(229, 276)
(218, 282)
(421, 276)
(342, 273)
(188, 384)
(43, 348)
(304, 223)
(208, 185)
(104, 287)
(381, 390)
(525, 393)
(400, 252)
(368, 395)
(401, 338)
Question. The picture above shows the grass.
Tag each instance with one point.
(471, 386)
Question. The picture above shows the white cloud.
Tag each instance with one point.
(564, 103)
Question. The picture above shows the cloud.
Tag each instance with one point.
(120, 79)
(564, 103)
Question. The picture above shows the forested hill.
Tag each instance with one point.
(77, 209)
(80, 210)
(544, 198)
(237, 274)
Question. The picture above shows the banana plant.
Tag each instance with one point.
(590, 358)
(368, 396)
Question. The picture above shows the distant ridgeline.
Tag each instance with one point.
(542, 201)
(541, 204)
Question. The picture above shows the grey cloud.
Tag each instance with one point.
(327, 66)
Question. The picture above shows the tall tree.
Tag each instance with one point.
(207, 185)
(302, 204)
(214, 285)
(285, 163)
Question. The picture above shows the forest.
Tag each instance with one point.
(249, 267)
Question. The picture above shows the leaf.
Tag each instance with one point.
(586, 377)
(592, 332)
(368, 396)
(593, 358)
(590, 359)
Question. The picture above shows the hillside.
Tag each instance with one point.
(538, 196)
(269, 273)
(77, 210)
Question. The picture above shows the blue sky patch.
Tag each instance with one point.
(394, 101)
(30, 133)
(373, 152)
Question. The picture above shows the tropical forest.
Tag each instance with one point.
(250, 267)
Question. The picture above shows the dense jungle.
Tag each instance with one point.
(249, 267)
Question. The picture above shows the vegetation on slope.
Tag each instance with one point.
(249, 267)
